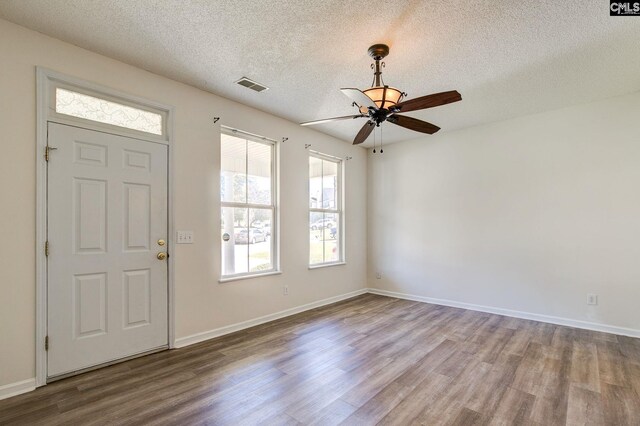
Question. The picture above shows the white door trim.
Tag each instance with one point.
(45, 81)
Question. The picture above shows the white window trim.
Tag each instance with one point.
(327, 265)
(275, 218)
(46, 82)
(249, 276)
(339, 210)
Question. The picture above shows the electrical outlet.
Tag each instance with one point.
(592, 299)
(184, 237)
(285, 290)
(378, 275)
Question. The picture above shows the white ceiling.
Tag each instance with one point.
(507, 58)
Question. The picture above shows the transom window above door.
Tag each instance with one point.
(106, 112)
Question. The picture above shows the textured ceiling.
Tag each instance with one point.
(507, 58)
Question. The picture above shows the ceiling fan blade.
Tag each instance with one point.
(326, 120)
(359, 97)
(429, 101)
(413, 124)
(364, 133)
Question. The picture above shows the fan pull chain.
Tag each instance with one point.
(374, 140)
(381, 151)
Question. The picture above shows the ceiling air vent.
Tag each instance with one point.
(250, 84)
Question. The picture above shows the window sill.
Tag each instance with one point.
(326, 265)
(246, 277)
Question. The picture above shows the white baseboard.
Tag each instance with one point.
(181, 342)
(211, 334)
(13, 389)
(511, 313)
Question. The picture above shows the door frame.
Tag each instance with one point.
(46, 82)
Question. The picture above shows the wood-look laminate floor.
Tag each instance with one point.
(367, 360)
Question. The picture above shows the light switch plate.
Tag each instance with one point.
(185, 237)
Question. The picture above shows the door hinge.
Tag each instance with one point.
(46, 343)
(47, 150)
(46, 248)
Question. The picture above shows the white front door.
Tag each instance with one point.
(107, 214)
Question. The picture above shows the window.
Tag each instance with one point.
(325, 209)
(247, 195)
(103, 111)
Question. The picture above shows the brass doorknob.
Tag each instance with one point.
(162, 255)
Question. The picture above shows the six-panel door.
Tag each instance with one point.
(107, 211)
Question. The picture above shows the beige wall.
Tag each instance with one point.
(202, 303)
(529, 214)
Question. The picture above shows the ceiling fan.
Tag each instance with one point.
(381, 103)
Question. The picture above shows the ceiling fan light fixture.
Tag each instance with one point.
(384, 96)
(380, 103)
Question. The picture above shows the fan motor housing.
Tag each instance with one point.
(379, 116)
